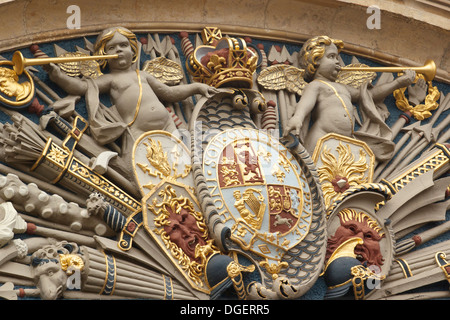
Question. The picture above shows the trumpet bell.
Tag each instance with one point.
(18, 62)
(428, 70)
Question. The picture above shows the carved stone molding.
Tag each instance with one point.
(27, 22)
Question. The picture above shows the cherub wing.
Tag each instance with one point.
(295, 82)
(355, 78)
(165, 70)
(280, 77)
(89, 68)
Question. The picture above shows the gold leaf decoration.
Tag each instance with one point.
(344, 169)
(355, 78)
(165, 70)
(88, 68)
(157, 157)
(421, 111)
(281, 76)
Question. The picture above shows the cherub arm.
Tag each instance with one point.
(379, 93)
(303, 108)
(178, 92)
(74, 85)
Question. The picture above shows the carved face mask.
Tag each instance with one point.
(184, 232)
(50, 279)
(358, 226)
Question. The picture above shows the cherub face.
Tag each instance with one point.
(329, 67)
(120, 45)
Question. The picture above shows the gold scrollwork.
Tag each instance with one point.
(71, 260)
(273, 268)
(361, 274)
(81, 171)
(85, 173)
(234, 271)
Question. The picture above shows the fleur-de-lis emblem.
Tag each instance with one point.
(216, 62)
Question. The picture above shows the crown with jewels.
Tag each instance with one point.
(222, 61)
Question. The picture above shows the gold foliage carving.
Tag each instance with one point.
(421, 111)
(57, 154)
(170, 199)
(355, 78)
(344, 167)
(165, 70)
(280, 76)
(88, 68)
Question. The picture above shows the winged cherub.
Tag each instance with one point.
(135, 94)
(329, 102)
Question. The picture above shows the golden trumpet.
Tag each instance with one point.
(428, 70)
(19, 62)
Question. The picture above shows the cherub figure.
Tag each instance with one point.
(136, 95)
(330, 103)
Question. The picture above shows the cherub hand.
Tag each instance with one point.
(417, 92)
(407, 78)
(293, 124)
(53, 71)
(206, 90)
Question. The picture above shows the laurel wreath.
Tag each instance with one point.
(420, 111)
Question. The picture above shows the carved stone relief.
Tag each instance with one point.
(239, 171)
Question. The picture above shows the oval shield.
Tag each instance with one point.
(259, 190)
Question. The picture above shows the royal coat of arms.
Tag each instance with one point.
(262, 194)
(120, 209)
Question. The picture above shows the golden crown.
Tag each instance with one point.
(222, 61)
